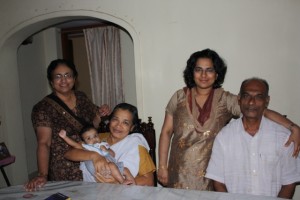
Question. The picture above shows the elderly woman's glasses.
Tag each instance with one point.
(58, 77)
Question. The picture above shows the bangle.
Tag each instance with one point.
(42, 175)
(291, 126)
(162, 167)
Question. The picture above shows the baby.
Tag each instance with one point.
(89, 136)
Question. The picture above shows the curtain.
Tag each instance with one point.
(104, 60)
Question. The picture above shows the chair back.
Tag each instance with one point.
(148, 131)
(5, 159)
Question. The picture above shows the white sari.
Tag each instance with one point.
(127, 151)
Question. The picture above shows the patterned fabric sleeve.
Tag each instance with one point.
(40, 116)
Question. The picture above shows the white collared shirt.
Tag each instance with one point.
(253, 165)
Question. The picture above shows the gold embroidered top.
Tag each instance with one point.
(192, 143)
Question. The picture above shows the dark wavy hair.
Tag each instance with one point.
(86, 128)
(55, 63)
(218, 64)
(132, 109)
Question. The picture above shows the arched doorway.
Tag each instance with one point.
(12, 104)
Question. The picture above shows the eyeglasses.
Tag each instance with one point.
(58, 77)
(258, 97)
(209, 70)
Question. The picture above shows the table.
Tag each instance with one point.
(84, 190)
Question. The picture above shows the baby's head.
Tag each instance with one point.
(89, 135)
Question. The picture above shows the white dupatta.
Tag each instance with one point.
(127, 151)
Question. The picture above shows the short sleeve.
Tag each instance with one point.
(289, 166)
(171, 107)
(40, 117)
(146, 162)
(177, 97)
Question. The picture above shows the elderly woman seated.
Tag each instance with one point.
(130, 148)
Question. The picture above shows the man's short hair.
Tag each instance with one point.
(255, 79)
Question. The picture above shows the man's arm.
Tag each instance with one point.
(289, 172)
(287, 191)
(215, 168)
(219, 187)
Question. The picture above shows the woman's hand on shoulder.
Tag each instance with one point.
(104, 110)
(295, 138)
(35, 184)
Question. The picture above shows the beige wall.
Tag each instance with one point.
(256, 38)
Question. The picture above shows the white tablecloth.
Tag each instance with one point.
(84, 190)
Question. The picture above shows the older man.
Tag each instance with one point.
(249, 155)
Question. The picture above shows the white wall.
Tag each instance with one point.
(31, 71)
(33, 60)
(128, 72)
(256, 38)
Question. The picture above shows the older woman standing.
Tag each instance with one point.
(129, 147)
(194, 116)
(65, 108)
